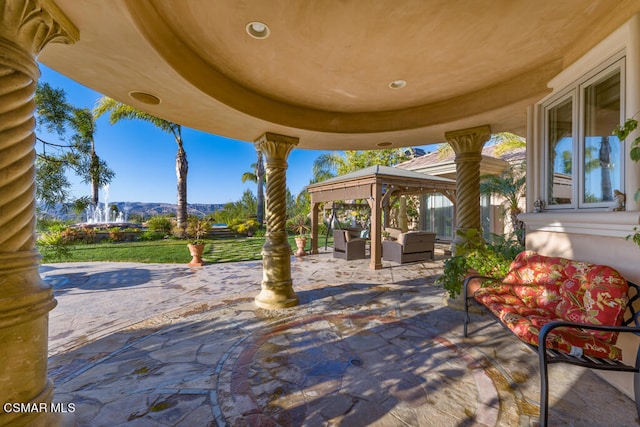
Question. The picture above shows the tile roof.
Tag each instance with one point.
(434, 158)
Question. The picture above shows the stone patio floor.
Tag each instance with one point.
(168, 345)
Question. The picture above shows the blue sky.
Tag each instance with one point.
(143, 158)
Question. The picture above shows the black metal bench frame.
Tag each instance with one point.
(547, 356)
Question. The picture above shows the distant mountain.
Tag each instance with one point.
(145, 209)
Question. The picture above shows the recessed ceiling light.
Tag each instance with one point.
(144, 97)
(384, 144)
(257, 30)
(397, 84)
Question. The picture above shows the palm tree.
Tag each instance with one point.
(332, 164)
(119, 111)
(510, 185)
(94, 171)
(504, 142)
(327, 165)
(257, 177)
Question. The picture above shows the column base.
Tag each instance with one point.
(277, 286)
(274, 299)
(24, 306)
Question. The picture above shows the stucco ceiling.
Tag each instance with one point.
(323, 73)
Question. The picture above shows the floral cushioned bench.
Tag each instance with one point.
(582, 305)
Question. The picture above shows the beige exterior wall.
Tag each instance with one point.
(591, 235)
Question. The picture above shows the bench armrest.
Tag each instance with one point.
(547, 356)
(546, 330)
(466, 281)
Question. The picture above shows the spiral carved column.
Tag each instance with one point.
(277, 287)
(25, 300)
(467, 145)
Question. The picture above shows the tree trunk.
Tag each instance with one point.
(182, 167)
(260, 176)
(518, 225)
(95, 178)
(605, 166)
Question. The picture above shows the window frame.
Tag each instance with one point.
(568, 94)
(576, 92)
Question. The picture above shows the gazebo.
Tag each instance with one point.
(376, 185)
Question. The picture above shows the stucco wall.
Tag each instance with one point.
(593, 235)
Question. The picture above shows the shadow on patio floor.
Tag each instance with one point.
(362, 348)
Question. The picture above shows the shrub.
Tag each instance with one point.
(322, 229)
(240, 228)
(72, 235)
(52, 244)
(179, 233)
(160, 223)
(246, 228)
(299, 225)
(260, 232)
(197, 229)
(116, 235)
(50, 224)
(487, 259)
(252, 225)
(89, 235)
(147, 236)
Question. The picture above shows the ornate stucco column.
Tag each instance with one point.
(26, 26)
(467, 145)
(277, 287)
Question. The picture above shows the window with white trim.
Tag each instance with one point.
(584, 162)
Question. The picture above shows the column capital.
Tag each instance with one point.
(32, 24)
(276, 147)
(26, 27)
(468, 141)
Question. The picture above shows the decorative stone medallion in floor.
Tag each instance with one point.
(351, 370)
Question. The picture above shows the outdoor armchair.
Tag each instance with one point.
(347, 247)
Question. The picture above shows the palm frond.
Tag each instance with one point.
(326, 165)
(120, 111)
(507, 141)
(249, 176)
(444, 150)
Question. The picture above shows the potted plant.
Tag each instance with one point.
(478, 257)
(622, 132)
(299, 226)
(197, 229)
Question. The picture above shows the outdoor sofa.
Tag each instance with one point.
(568, 311)
(411, 246)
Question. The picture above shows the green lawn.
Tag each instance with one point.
(169, 251)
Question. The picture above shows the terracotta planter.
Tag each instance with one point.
(301, 243)
(196, 255)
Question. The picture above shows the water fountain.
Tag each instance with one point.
(102, 215)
